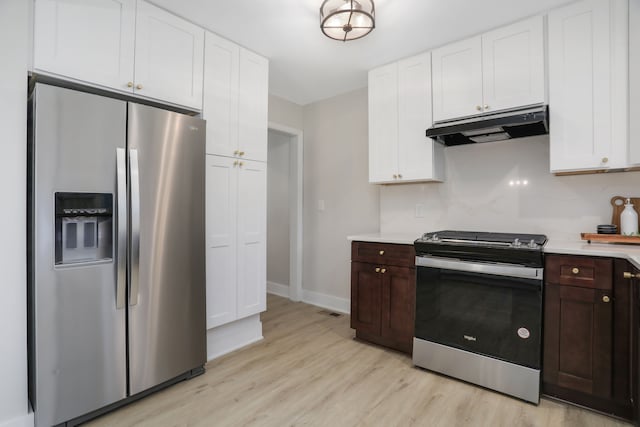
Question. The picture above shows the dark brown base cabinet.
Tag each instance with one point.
(383, 287)
(588, 338)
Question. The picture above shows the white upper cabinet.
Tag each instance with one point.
(399, 115)
(91, 41)
(121, 45)
(419, 157)
(383, 123)
(513, 66)
(499, 70)
(169, 57)
(220, 108)
(634, 82)
(588, 86)
(236, 96)
(457, 79)
(253, 106)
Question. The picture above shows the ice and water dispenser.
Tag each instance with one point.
(84, 224)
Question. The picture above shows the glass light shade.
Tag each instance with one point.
(347, 19)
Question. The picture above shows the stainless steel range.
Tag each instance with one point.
(479, 308)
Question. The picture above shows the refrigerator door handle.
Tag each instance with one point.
(121, 197)
(135, 227)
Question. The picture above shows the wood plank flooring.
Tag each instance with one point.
(309, 371)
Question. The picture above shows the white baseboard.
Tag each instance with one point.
(278, 289)
(230, 337)
(330, 302)
(23, 421)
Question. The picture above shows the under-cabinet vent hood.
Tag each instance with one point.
(494, 127)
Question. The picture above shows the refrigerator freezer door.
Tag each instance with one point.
(77, 334)
(167, 332)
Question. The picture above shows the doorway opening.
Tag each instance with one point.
(284, 211)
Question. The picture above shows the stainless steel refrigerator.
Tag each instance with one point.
(116, 251)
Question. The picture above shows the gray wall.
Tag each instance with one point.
(336, 172)
(285, 112)
(14, 48)
(278, 208)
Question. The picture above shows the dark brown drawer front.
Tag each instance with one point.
(585, 272)
(383, 253)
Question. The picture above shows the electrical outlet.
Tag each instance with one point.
(419, 210)
(321, 205)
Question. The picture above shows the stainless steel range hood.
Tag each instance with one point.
(494, 127)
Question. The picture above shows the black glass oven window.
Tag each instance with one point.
(487, 314)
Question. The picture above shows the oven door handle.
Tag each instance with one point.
(481, 268)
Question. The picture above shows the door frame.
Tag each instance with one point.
(295, 206)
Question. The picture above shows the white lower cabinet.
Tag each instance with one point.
(236, 216)
(588, 86)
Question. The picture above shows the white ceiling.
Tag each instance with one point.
(306, 66)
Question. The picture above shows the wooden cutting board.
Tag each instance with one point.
(618, 206)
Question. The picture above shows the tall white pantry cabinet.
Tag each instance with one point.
(235, 107)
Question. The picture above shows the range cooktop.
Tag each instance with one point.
(511, 248)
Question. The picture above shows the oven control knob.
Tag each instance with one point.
(532, 244)
(516, 243)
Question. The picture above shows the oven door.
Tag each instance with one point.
(489, 309)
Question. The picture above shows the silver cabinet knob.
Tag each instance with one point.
(129, 84)
(138, 86)
(479, 108)
(399, 175)
(605, 159)
(486, 107)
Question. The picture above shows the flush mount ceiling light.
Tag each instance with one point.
(347, 19)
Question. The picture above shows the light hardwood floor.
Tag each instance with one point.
(309, 371)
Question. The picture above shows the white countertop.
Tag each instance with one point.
(399, 238)
(577, 247)
(581, 247)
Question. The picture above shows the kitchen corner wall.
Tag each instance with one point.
(477, 194)
(338, 199)
(14, 43)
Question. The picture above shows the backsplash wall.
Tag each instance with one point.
(477, 194)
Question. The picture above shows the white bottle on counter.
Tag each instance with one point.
(628, 220)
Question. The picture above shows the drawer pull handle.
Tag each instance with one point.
(381, 252)
(384, 270)
(606, 299)
(575, 270)
(628, 275)
(377, 269)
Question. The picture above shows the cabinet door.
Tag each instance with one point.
(383, 124)
(92, 41)
(252, 231)
(577, 339)
(513, 65)
(366, 298)
(634, 82)
(587, 65)
(398, 304)
(169, 57)
(221, 240)
(457, 79)
(253, 106)
(415, 150)
(220, 100)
